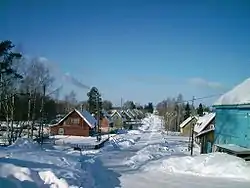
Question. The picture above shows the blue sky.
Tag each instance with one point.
(139, 50)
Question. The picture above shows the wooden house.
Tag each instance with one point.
(139, 114)
(127, 115)
(186, 125)
(132, 114)
(204, 132)
(117, 118)
(106, 122)
(232, 131)
(75, 123)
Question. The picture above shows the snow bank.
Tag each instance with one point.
(214, 165)
(134, 132)
(148, 153)
(24, 143)
(26, 164)
(16, 176)
(121, 143)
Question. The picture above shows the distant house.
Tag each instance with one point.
(139, 113)
(132, 114)
(75, 123)
(106, 122)
(117, 118)
(204, 132)
(127, 115)
(186, 125)
(232, 133)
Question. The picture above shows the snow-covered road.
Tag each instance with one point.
(149, 158)
(141, 158)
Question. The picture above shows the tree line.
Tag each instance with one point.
(176, 110)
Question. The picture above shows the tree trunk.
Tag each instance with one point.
(33, 115)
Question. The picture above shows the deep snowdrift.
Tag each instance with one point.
(121, 143)
(213, 165)
(25, 164)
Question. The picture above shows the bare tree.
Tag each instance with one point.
(107, 105)
(36, 77)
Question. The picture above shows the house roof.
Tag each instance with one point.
(127, 114)
(203, 122)
(131, 112)
(239, 95)
(139, 112)
(107, 115)
(116, 112)
(206, 131)
(88, 118)
(186, 121)
(119, 114)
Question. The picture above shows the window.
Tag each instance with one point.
(75, 121)
(61, 131)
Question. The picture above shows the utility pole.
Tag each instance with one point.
(192, 126)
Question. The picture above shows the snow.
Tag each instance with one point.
(30, 166)
(24, 143)
(186, 121)
(203, 122)
(138, 158)
(77, 140)
(233, 147)
(212, 165)
(237, 96)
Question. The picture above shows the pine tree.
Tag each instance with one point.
(187, 111)
(6, 62)
(200, 110)
(149, 108)
(94, 97)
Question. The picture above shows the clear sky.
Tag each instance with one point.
(139, 50)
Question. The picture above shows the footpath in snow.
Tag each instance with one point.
(148, 157)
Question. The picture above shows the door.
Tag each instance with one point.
(209, 147)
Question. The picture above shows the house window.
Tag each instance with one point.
(75, 121)
(61, 131)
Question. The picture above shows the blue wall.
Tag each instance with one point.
(232, 126)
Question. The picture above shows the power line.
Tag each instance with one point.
(199, 98)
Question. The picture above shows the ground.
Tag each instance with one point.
(144, 158)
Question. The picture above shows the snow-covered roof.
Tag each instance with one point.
(88, 118)
(212, 128)
(239, 95)
(107, 115)
(131, 113)
(186, 121)
(119, 114)
(203, 122)
(116, 112)
(127, 114)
